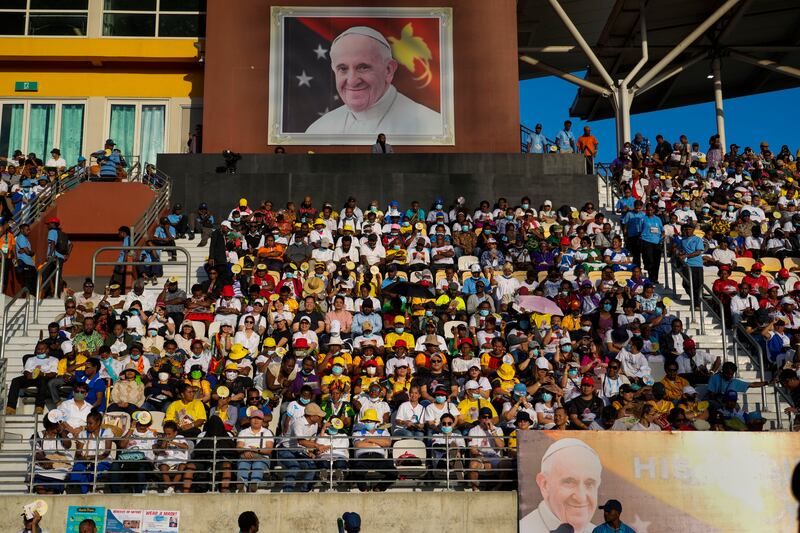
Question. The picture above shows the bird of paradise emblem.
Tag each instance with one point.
(409, 50)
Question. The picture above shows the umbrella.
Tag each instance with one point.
(409, 290)
(538, 304)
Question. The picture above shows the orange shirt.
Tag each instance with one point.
(587, 144)
(272, 252)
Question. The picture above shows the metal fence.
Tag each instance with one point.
(216, 464)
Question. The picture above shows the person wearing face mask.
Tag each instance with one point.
(198, 355)
(134, 357)
(76, 410)
(296, 408)
(486, 443)
(371, 370)
(196, 377)
(372, 400)
(472, 404)
(160, 392)
(400, 355)
(335, 379)
(435, 411)
(368, 338)
(38, 369)
(236, 383)
(518, 403)
(371, 454)
(336, 458)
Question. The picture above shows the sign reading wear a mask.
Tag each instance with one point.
(692, 481)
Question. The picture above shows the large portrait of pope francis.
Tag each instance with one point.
(366, 97)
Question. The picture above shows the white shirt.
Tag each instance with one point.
(408, 413)
(300, 428)
(610, 387)
(172, 455)
(380, 406)
(434, 415)
(483, 439)
(75, 415)
(393, 113)
(252, 342)
(391, 364)
(255, 439)
(701, 359)
(48, 365)
(147, 299)
(57, 163)
(633, 365)
(362, 434)
(506, 286)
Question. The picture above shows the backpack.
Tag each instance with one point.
(62, 243)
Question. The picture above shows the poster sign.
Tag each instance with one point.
(123, 521)
(160, 521)
(342, 75)
(666, 482)
(77, 514)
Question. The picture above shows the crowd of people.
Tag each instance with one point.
(323, 335)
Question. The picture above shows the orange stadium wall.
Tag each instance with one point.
(90, 215)
(236, 94)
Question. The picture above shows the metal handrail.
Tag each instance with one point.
(160, 183)
(23, 293)
(184, 251)
(326, 474)
(525, 133)
(759, 363)
(41, 284)
(603, 171)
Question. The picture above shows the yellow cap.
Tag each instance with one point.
(269, 342)
(242, 202)
(338, 361)
(319, 221)
(370, 415)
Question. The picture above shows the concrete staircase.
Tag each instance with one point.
(709, 337)
(17, 429)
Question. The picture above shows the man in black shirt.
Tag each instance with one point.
(434, 378)
(586, 408)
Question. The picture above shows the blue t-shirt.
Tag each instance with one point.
(538, 142)
(23, 242)
(652, 229)
(125, 242)
(108, 164)
(625, 203)
(174, 218)
(563, 139)
(605, 528)
(160, 233)
(719, 385)
(633, 223)
(96, 386)
(691, 245)
(52, 237)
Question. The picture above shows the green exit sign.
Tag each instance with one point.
(26, 86)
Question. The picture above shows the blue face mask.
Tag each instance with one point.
(370, 426)
(476, 396)
(607, 307)
(572, 373)
(304, 401)
(41, 355)
(134, 312)
(337, 370)
(428, 313)
(447, 429)
(440, 399)
(566, 348)
(658, 311)
(484, 312)
(332, 431)
(546, 397)
(399, 331)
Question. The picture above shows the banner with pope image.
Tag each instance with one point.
(666, 481)
(342, 75)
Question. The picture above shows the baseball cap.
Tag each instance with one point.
(485, 411)
(688, 389)
(471, 384)
(612, 505)
(587, 381)
(313, 409)
(758, 266)
(689, 343)
(731, 396)
(523, 416)
(541, 363)
(475, 267)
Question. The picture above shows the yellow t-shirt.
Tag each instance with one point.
(444, 299)
(393, 337)
(663, 407)
(179, 412)
(674, 389)
(348, 360)
(470, 409)
(62, 364)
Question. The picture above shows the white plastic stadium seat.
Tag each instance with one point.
(409, 457)
(466, 261)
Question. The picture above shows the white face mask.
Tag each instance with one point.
(371, 370)
(231, 375)
(163, 376)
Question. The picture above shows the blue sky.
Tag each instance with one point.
(748, 120)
